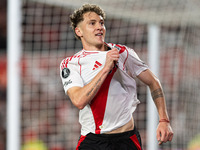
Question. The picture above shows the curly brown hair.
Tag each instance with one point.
(77, 16)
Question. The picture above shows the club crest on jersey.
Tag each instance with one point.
(65, 72)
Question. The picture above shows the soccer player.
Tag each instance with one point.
(99, 80)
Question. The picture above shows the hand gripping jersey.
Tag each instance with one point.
(116, 100)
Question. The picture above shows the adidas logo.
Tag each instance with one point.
(97, 65)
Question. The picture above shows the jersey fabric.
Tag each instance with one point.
(116, 100)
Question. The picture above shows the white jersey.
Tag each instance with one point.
(116, 100)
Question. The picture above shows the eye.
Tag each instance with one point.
(102, 23)
(92, 23)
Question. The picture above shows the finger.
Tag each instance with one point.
(170, 137)
(115, 49)
(160, 142)
(159, 139)
(164, 137)
(113, 53)
(114, 57)
(158, 135)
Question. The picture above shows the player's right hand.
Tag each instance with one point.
(111, 58)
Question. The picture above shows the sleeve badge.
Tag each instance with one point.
(65, 72)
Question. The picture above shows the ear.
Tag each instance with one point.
(78, 31)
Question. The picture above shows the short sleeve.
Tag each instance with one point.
(70, 76)
(134, 64)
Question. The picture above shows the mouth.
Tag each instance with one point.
(99, 34)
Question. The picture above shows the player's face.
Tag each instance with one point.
(91, 30)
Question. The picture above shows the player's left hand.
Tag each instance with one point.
(164, 132)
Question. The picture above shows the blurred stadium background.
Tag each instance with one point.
(48, 119)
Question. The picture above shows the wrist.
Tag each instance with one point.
(106, 70)
(164, 120)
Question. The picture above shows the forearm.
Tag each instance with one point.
(159, 99)
(81, 96)
(91, 89)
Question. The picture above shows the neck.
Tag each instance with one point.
(102, 47)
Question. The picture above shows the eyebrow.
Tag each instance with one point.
(96, 20)
(92, 20)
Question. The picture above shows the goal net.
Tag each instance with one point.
(50, 121)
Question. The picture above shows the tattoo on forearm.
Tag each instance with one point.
(95, 88)
(157, 93)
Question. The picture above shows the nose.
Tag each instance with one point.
(100, 26)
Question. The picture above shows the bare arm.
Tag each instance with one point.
(152, 81)
(164, 130)
(81, 96)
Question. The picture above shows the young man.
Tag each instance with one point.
(100, 82)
